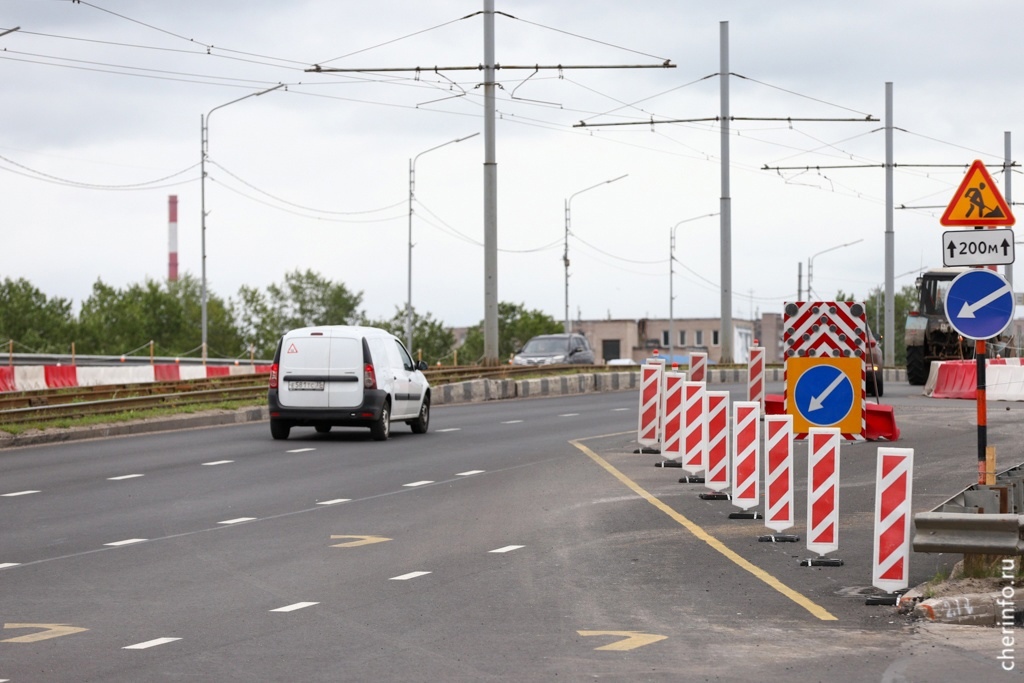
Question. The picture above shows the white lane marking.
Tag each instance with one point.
(507, 549)
(569, 415)
(511, 422)
(217, 462)
(19, 493)
(237, 521)
(150, 643)
(620, 410)
(449, 429)
(418, 483)
(292, 608)
(125, 476)
(410, 575)
(128, 541)
(334, 502)
(301, 450)
(469, 473)
(5, 565)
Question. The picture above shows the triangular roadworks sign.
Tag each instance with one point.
(977, 202)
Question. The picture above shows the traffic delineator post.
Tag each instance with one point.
(698, 367)
(823, 495)
(649, 422)
(746, 491)
(694, 430)
(672, 420)
(716, 475)
(755, 377)
(778, 477)
(894, 478)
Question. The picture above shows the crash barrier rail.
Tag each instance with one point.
(983, 519)
(1004, 379)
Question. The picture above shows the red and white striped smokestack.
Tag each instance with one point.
(172, 266)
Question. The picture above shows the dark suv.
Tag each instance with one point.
(554, 349)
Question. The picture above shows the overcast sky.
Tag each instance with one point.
(100, 123)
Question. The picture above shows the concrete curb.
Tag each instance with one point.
(979, 609)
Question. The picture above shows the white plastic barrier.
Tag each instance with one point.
(29, 377)
(1004, 382)
(192, 372)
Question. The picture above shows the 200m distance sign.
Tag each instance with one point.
(979, 303)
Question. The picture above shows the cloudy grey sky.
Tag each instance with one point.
(103, 99)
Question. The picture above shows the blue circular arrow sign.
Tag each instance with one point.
(979, 303)
(824, 395)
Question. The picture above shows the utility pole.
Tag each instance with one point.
(489, 68)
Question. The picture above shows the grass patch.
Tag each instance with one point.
(126, 416)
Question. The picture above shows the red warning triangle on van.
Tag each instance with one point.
(292, 349)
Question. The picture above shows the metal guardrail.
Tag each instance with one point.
(981, 519)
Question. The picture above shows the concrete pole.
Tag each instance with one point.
(889, 335)
(726, 201)
(490, 196)
(1007, 193)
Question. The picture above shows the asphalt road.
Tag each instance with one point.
(517, 541)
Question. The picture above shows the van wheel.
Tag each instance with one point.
(323, 429)
(421, 423)
(381, 429)
(279, 429)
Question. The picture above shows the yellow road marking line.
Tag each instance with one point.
(695, 529)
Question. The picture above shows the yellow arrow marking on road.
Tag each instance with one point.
(49, 631)
(631, 639)
(361, 540)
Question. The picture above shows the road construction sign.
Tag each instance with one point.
(977, 202)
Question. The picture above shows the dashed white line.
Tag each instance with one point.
(124, 476)
(418, 483)
(217, 462)
(292, 608)
(511, 422)
(449, 429)
(334, 502)
(128, 541)
(19, 493)
(410, 575)
(469, 473)
(506, 549)
(5, 565)
(239, 520)
(301, 450)
(150, 643)
(569, 415)
(621, 410)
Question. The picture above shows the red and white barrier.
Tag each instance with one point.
(698, 367)
(649, 422)
(823, 490)
(41, 377)
(717, 474)
(1004, 379)
(745, 443)
(755, 377)
(694, 427)
(672, 422)
(894, 479)
(778, 475)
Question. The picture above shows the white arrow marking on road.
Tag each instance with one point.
(150, 643)
(968, 309)
(818, 401)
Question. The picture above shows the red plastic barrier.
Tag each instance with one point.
(166, 373)
(7, 379)
(880, 423)
(60, 376)
(217, 370)
(263, 368)
(774, 404)
(956, 379)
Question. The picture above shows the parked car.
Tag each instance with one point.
(873, 385)
(553, 349)
(346, 376)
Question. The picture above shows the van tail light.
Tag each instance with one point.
(273, 376)
(369, 376)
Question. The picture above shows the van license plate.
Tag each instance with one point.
(305, 386)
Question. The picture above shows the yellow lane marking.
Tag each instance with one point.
(360, 540)
(49, 631)
(695, 529)
(631, 639)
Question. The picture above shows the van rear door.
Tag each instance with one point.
(304, 370)
(345, 385)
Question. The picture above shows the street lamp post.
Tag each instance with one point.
(565, 254)
(204, 146)
(671, 281)
(412, 191)
(810, 263)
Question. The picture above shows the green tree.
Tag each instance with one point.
(516, 326)
(431, 341)
(905, 300)
(35, 323)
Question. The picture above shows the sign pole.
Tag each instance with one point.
(980, 352)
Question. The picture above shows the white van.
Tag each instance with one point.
(346, 376)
